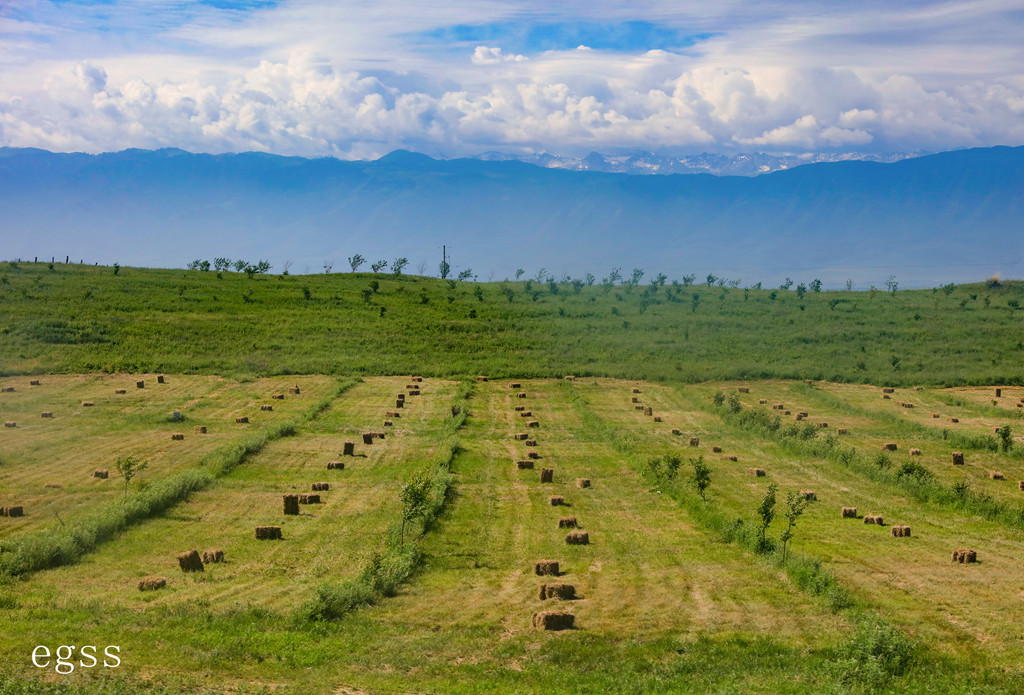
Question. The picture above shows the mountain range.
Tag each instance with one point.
(953, 216)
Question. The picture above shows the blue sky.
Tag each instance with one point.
(356, 79)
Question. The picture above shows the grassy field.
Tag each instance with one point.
(151, 320)
(671, 598)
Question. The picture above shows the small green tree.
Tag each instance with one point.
(240, 265)
(701, 476)
(398, 265)
(355, 261)
(796, 503)
(465, 274)
(1005, 437)
(378, 266)
(787, 284)
(128, 467)
(414, 501)
(815, 285)
(444, 267)
(519, 273)
(765, 512)
(117, 267)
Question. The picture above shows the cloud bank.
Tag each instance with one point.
(314, 79)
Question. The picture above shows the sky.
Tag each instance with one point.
(356, 80)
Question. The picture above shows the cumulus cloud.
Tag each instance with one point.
(486, 55)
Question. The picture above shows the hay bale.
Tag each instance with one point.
(521, 394)
(915, 452)
(54, 485)
(10, 423)
(822, 425)
(533, 423)
(888, 390)
(242, 420)
(392, 415)
(141, 385)
(756, 472)
(522, 436)
(570, 377)
(779, 406)
(190, 561)
(546, 568)
(266, 406)
(716, 450)
(560, 592)
(524, 465)
(119, 392)
(577, 538)
(694, 441)
(309, 498)
(657, 418)
(849, 513)
(414, 392)
(417, 379)
(557, 501)
(907, 405)
(532, 455)
(809, 495)
(785, 412)
(958, 458)
(213, 555)
(547, 475)
(268, 533)
(335, 465)
(729, 457)
(367, 438)
(101, 473)
(481, 378)
(995, 475)
(199, 429)
(676, 431)
(295, 390)
(530, 442)
(999, 393)
(1020, 485)
(178, 436)
(526, 413)
(638, 407)
(635, 390)
(901, 531)
(7, 389)
(553, 620)
(885, 396)
(400, 403)
(743, 389)
(291, 504)
(840, 430)
(152, 583)
(762, 401)
(320, 487)
(889, 446)
(802, 414)
(965, 555)
(567, 522)
(86, 404)
(582, 482)
(160, 379)
(799, 417)
(954, 419)
(46, 413)
(634, 399)
(389, 423)
(348, 449)
(520, 408)
(935, 415)
(278, 396)
(515, 385)
(648, 410)
(874, 519)
(14, 510)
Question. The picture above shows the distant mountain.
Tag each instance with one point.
(954, 216)
(753, 164)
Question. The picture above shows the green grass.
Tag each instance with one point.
(149, 320)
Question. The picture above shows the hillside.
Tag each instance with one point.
(949, 217)
(88, 319)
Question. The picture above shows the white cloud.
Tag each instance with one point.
(485, 55)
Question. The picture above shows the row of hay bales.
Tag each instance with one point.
(558, 591)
